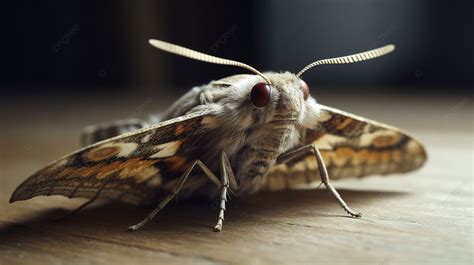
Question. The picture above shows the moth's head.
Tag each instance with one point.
(251, 100)
(269, 96)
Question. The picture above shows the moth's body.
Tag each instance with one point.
(245, 132)
(251, 137)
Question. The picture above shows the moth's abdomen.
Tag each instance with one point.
(100, 132)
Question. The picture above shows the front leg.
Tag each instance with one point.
(227, 179)
(311, 148)
(174, 191)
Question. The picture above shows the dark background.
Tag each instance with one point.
(55, 47)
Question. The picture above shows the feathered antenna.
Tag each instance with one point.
(358, 57)
(173, 48)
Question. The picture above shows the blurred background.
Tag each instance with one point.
(68, 64)
(64, 47)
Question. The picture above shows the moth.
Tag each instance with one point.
(243, 133)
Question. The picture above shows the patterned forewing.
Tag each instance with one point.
(351, 146)
(131, 167)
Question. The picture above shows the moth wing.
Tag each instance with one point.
(130, 167)
(352, 146)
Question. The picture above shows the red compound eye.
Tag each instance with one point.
(260, 94)
(305, 88)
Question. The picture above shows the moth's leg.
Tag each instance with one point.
(175, 191)
(75, 211)
(283, 158)
(325, 179)
(84, 205)
(227, 179)
(226, 164)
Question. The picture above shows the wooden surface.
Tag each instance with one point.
(424, 217)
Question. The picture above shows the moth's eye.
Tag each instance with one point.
(260, 94)
(305, 88)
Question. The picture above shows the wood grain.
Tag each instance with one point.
(424, 217)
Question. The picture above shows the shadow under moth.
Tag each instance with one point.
(243, 133)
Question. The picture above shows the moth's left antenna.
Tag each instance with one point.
(358, 57)
(176, 49)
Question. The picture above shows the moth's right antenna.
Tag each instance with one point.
(173, 48)
(358, 57)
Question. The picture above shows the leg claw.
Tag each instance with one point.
(218, 228)
(357, 215)
(134, 228)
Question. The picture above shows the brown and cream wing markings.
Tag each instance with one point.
(130, 167)
(351, 146)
